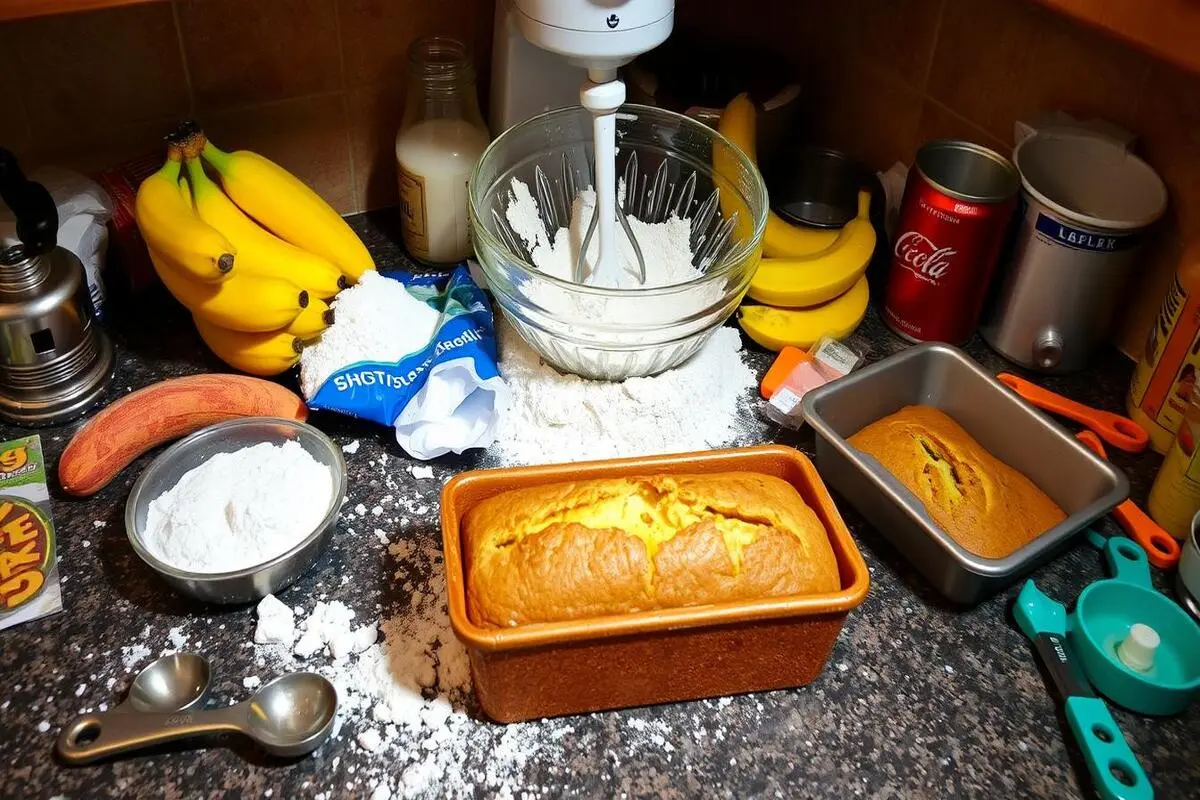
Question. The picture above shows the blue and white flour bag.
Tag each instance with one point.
(415, 352)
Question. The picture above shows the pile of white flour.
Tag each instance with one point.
(239, 509)
(376, 319)
(555, 417)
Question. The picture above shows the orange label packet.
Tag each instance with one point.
(795, 373)
(29, 581)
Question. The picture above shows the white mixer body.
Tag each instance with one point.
(598, 35)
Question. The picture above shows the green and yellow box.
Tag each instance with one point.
(29, 585)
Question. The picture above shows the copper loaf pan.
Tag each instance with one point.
(550, 669)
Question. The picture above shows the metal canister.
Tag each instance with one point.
(958, 201)
(1087, 203)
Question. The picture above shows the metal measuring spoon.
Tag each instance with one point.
(290, 716)
(178, 682)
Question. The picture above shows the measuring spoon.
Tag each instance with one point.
(1161, 547)
(290, 716)
(1113, 428)
(178, 682)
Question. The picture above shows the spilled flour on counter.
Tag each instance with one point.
(555, 417)
(405, 697)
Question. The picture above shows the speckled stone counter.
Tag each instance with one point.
(919, 699)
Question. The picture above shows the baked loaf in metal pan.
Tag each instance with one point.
(984, 504)
(568, 551)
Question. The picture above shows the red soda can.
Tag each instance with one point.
(957, 204)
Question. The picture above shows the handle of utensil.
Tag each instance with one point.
(1127, 561)
(1115, 770)
(91, 737)
(1115, 429)
(1162, 549)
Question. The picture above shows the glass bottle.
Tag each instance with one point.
(441, 137)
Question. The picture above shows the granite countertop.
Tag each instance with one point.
(919, 699)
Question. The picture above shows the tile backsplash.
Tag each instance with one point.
(882, 76)
(318, 85)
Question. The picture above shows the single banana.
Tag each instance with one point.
(314, 319)
(260, 252)
(256, 353)
(243, 302)
(289, 208)
(170, 226)
(776, 328)
(810, 280)
(739, 125)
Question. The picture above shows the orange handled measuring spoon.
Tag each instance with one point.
(1161, 547)
(1121, 432)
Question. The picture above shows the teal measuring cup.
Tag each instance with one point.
(1102, 619)
(1114, 768)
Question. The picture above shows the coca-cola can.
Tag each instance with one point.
(957, 205)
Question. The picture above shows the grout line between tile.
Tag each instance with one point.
(937, 36)
(187, 72)
(991, 138)
(346, 120)
(217, 110)
(1136, 110)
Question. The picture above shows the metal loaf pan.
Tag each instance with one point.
(550, 669)
(936, 374)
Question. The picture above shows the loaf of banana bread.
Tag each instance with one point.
(984, 504)
(612, 546)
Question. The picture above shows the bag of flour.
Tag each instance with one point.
(415, 352)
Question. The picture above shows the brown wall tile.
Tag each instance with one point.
(104, 148)
(14, 121)
(89, 73)
(239, 52)
(898, 35)
(307, 136)
(376, 34)
(1000, 60)
(375, 113)
(1168, 121)
(939, 122)
(867, 112)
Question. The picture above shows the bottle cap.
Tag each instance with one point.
(1138, 649)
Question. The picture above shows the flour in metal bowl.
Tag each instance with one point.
(239, 509)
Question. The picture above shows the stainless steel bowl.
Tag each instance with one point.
(246, 585)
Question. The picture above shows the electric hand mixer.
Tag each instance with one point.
(600, 36)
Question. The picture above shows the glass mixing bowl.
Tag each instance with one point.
(667, 163)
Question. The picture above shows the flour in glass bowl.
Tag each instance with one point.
(666, 252)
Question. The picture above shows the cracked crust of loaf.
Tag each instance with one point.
(683, 540)
(984, 504)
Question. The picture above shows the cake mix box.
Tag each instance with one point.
(29, 586)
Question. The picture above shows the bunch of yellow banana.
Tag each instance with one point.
(811, 281)
(255, 262)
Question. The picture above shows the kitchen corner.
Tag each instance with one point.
(919, 699)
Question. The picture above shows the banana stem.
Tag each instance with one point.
(200, 180)
(215, 156)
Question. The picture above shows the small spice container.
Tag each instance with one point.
(440, 139)
(554, 668)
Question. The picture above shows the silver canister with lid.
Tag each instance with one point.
(55, 361)
(1086, 206)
